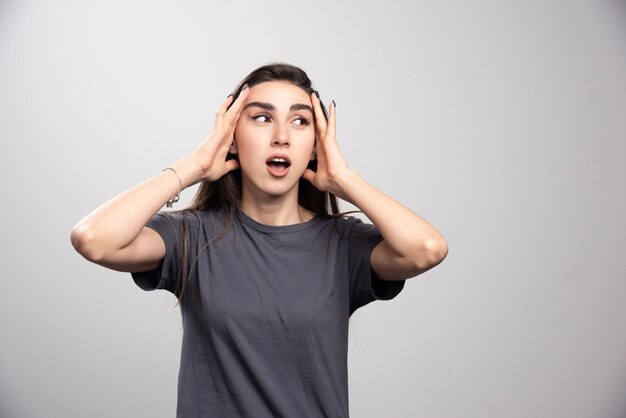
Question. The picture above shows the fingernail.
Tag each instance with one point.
(317, 94)
(334, 104)
(245, 86)
(229, 95)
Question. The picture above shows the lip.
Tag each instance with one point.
(278, 171)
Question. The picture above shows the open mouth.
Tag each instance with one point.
(278, 162)
(278, 165)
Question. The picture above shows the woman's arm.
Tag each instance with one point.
(411, 245)
(114, 235)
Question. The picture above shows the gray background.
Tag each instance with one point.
(503, 123)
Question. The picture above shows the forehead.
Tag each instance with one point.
(277, 93)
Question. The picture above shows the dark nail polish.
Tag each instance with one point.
(229, 95)
(334, 104)
(317, 94)
(245, 86)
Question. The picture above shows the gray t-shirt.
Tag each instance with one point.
(266, 310)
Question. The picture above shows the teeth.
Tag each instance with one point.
(279, 160)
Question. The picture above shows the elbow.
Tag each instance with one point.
(433, 252)
(85, 242)
(440, 250)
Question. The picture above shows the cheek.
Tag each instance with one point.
(307, 142)
(250, 145)
(244, 137)
(306, 136)
(241, 131)
(310, 139)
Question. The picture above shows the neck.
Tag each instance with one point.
(275, 210)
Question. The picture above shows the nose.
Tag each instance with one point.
(281, 138)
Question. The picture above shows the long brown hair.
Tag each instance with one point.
(224, 194)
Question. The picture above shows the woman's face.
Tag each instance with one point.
(274, 139)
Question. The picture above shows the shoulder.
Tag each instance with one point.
(188, 219)
(352, 222)
(352, 227)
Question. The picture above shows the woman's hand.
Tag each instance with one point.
(411, 245)
(331, 166)
(211, 153)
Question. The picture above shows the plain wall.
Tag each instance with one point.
(501, 122)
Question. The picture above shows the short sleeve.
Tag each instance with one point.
(365, 285)
(169, 225)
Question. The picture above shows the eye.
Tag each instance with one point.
(261, 118)
(302, 121)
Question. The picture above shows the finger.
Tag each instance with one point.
(331, 128)
(237, 106)
(224, 105)
(219, 114)
(308, 175)
(232, 165)
(320, 120)
(320, 114)
(223, 147)
(234, 113)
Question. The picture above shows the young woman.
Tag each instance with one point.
(267, 272)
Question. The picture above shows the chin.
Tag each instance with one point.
(276, 187)
(280, 190)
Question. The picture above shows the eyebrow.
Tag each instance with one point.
(270, 107)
